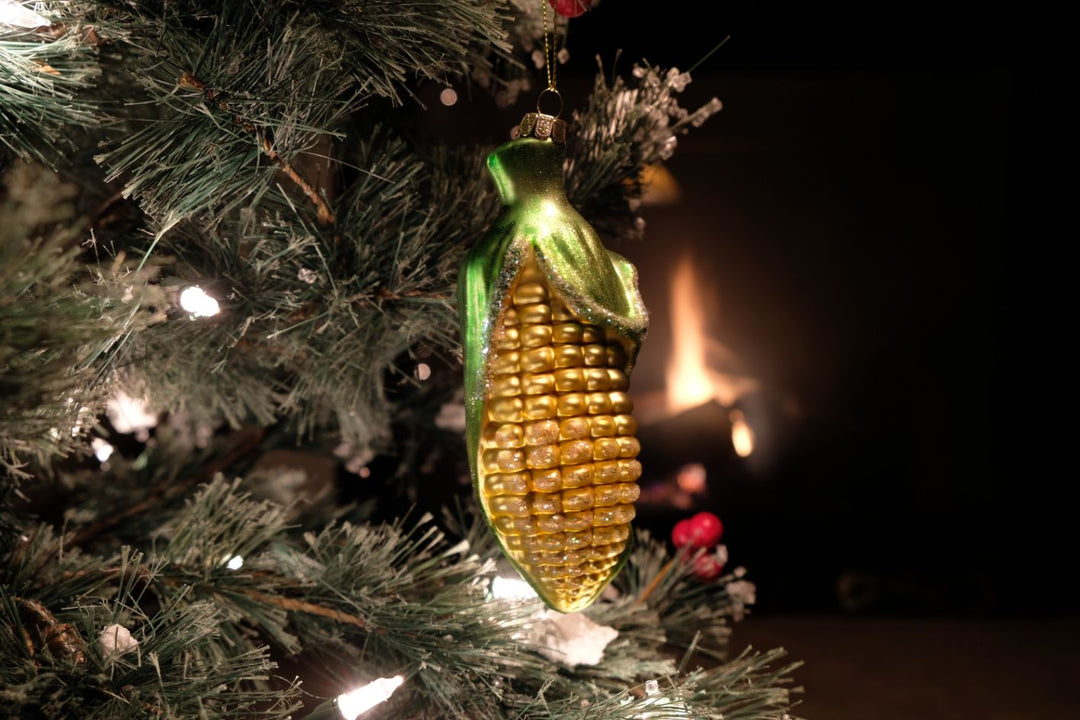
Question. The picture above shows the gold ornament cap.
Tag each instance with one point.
(541, 125)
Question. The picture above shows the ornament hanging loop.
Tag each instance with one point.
(556, 96)
(540, 124)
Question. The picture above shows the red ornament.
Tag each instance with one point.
(681, 534)
(708, 567)
(703, 530)
(571, 8)
(707, 528)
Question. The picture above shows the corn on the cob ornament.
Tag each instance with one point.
(551, 324)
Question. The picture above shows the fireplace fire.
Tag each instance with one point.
(694, 427)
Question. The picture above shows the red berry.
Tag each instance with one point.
(707, 567)
(682, 533)
(570, 8)
(707, 529)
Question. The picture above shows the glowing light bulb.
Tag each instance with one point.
(448, 97)
(423, 371)
(235, 562)
(15, 14)
(512, 589)
(354, 702)
(195, 300)
(129, 414)
(102, 449)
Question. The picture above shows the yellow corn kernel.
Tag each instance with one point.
(548, 480)
(504, 461)
(597, 379)
(601, 426)
(625, 425)
(591, 334)
(567, 332)
(528, 293)
(568, 356)
(543, 457)
(506, 363)
(507, 484)
(578, 476)
(538, 384)
(569, 380)
(574, 452)
(621, 403)
(629, 447)
(534, 314)
(506, 410)
(508, 339)
(617, 379)
(576, 428)
(541, 432)
(599, 403)
(595, 355)
(571, 405)
(504, 435)
(539, 407)
(505, 386)
(577, 499)
(533, 336)
(538, 360)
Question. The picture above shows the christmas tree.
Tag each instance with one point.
(234, 478)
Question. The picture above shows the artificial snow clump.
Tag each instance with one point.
(116, 639)
(743, 593)
(570, 638)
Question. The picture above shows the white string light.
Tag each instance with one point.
(363, 698)
(102, 449)
(15, 14)
(235, 562)
(130, 415)
(512, 589)
(195, 300)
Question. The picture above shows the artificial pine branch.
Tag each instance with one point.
(258, 142)
(43, 73)
(382, 596)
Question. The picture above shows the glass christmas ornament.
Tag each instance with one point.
(551, 324)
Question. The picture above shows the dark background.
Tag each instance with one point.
(875, 221)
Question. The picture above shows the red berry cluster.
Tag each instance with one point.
(702, 531)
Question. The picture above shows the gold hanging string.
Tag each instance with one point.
(549, 56)
(551, 39)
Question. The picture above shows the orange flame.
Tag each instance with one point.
(742, 437)
(690, 379)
